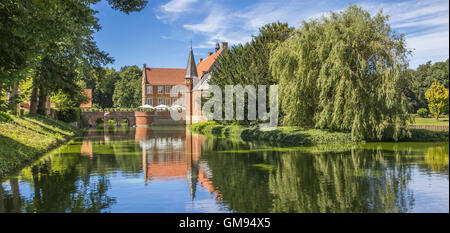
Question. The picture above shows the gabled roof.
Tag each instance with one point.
(165, 76)
(206, 64)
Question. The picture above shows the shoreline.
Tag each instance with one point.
(298, 136)
(29, 137)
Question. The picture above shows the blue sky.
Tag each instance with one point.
(160, 34)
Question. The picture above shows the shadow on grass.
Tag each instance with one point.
(14, 154)
(43, 122)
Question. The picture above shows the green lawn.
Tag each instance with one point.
(27, 137)
(431, 121)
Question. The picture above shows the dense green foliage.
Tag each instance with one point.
(127, 91)
(24, 138)
(249, 64)
(343, 72)
(50, 41)
(111, 88)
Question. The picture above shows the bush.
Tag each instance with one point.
(68, 114)
(422, 112)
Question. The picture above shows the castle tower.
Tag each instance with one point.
(190, 77)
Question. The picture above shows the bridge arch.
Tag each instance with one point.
(137, 118)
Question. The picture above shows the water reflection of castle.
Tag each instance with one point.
(167, 155)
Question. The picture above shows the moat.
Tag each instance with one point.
(169, 169)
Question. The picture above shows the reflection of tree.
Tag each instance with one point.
(62, 182)
(242, 188)
(360, 181)
(437, 158)
(68, 191)
(10, 201)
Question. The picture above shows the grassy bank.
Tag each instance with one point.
(296, 136)
(23, 139)
(292, 136)
(431, 121)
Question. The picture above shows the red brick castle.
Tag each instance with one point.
(158, 83)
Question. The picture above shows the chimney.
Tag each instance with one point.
(224, 45)
(210, 53)
(201, 59)
(217, 47)
(145, 66)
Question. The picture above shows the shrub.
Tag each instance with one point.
(422, 112)
(68, 114)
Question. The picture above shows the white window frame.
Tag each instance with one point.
(168, 104)
(150, 101)
(160, 101)
(160, 89)
(168, 88)
(150, 89)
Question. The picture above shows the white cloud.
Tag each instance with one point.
(214, 22)
(425, 23)
(178, 6)
(431, 46)
(238, 26)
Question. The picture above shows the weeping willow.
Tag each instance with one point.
(343, 72)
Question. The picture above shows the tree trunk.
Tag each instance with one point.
(33, 98)
(14, 98)
(42, 102)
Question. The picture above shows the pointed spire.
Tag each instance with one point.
(192, 176)
(191, 69)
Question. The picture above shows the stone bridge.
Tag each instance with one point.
(148, 118)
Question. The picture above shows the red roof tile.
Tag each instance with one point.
(168, 76)
(206, 64)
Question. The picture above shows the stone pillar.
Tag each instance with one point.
(144, 118)
(188, 101)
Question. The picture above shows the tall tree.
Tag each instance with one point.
(437, 96)
(249, 64)
(127, 93)
(33, 30)
(343, 72)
